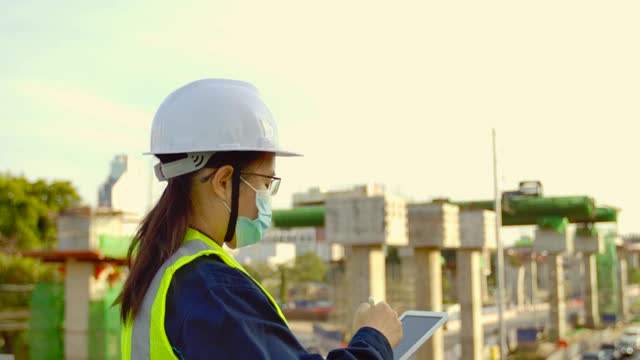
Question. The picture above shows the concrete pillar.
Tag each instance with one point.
(623, 302)
(592, 311)
(555, 243)
(519, 286)
(557, 306)
(477, 237)
(429, 297)
(589, 243)
(408, 265)
(515, 284)
(486, 272)
(632, 260)
(366, 224)
(531, 279)
(78, 281)
(544, 275)
(576, 276)
(484, 283)
(432, 227)
(469, 285)
(368, 273)
(452, 278)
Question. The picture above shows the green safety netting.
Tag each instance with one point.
(104, 326)
(46, 331)
(45, 335)
(114, 246)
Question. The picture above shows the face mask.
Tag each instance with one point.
(249, 232)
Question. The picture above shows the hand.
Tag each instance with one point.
(380, 317)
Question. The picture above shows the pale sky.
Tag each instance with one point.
(402, 93)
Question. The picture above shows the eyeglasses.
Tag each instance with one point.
(272, 187)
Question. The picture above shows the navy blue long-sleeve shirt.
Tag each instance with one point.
(214, 311)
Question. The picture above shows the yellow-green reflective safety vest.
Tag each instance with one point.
(144, 337)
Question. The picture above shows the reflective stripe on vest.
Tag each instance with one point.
(145, 337)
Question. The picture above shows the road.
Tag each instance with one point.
(528, 316)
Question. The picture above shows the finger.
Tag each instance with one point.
(382, 304)
(388, 308)
(362, 307)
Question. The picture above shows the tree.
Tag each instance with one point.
(260, 271)
(278, 280)
(28, 211)
(308, 267)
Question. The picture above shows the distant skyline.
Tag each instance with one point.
(403, 95)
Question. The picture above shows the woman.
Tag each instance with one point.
(185, 298)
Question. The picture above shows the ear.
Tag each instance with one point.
(222, 183)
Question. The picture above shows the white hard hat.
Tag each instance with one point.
(209, 116)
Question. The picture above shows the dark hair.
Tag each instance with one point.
(162, 230)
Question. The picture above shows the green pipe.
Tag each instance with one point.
(602, 214)
(576, 206)
(556, 206)
(530, 211)
(307, 216)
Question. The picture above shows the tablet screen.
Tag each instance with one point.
(413, 329)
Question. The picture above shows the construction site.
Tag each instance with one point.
(570, 278)
(332, 166)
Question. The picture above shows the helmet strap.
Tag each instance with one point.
(235, 199)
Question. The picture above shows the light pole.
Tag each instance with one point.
(500, 253)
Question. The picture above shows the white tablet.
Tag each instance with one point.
(417, 328)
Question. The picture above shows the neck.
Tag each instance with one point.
(197, 222)
(197, 219)
(219, 242)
